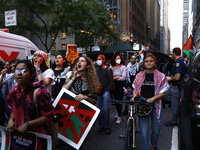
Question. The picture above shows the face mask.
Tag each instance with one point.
(118, 61)
(99, 62)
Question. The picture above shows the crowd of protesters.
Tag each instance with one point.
(95, 82)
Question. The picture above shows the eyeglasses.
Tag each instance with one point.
(21, 71)
(146, 61)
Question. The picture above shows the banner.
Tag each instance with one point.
(75, 118)
(24, 141)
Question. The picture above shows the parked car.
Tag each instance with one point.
(189, 126)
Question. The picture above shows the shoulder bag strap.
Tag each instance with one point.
(35, 100)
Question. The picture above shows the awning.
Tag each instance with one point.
(118, 48)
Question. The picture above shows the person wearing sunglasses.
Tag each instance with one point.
(24, 113)
(152, 85)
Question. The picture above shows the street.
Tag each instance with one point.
(102, 141)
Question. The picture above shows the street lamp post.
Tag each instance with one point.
(107, 8)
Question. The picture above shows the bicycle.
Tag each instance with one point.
(142, 109)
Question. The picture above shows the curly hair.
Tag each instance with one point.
(91, 77)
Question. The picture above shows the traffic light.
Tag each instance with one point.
(131, 41)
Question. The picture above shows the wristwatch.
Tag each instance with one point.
(28, 125)
(38, 72)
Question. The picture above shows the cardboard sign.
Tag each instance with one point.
(24, 141)
(72, 53)
(75, 118)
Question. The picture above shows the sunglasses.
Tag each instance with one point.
(22, 71)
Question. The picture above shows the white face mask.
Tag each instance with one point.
(99, 62)
(118, 61)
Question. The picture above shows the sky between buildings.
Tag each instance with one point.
(175, 22)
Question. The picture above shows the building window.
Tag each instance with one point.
(53, 48)
(63, 35)
(115, 15)
(115, 27)
(114, 3)
(63, 46)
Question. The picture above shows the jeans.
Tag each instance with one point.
(155, 128)
(174, 95)
(103, 103)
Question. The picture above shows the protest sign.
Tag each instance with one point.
(72, 53)
(24, 141)
(75, 118)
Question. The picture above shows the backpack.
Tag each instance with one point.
(53, 125)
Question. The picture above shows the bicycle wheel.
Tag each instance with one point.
(129, 140)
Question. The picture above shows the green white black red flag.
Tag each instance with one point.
(189, 48)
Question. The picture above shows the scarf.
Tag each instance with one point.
(160, 85)
(131, 70)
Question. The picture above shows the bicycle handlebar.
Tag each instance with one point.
(140, 100)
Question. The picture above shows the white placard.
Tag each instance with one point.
(10, 18)
(75, 118)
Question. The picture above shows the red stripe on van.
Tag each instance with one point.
(6, 57)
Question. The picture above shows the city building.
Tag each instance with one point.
(164, 29)
(185, 20)
(153, 24)
(136, 19)
(139, 20)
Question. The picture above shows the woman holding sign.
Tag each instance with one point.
(83, 81)
(27, 115)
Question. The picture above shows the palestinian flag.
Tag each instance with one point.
(189, 48)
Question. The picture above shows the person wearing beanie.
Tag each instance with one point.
(42, 70)
(105, 76)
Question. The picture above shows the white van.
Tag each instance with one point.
(15, 46)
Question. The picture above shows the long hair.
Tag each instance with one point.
(113, 63)
(43, 66)
(91, 77)
(65, 64)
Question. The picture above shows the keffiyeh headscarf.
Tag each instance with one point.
(131, 70)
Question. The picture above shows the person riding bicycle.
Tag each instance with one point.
(152, 85)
